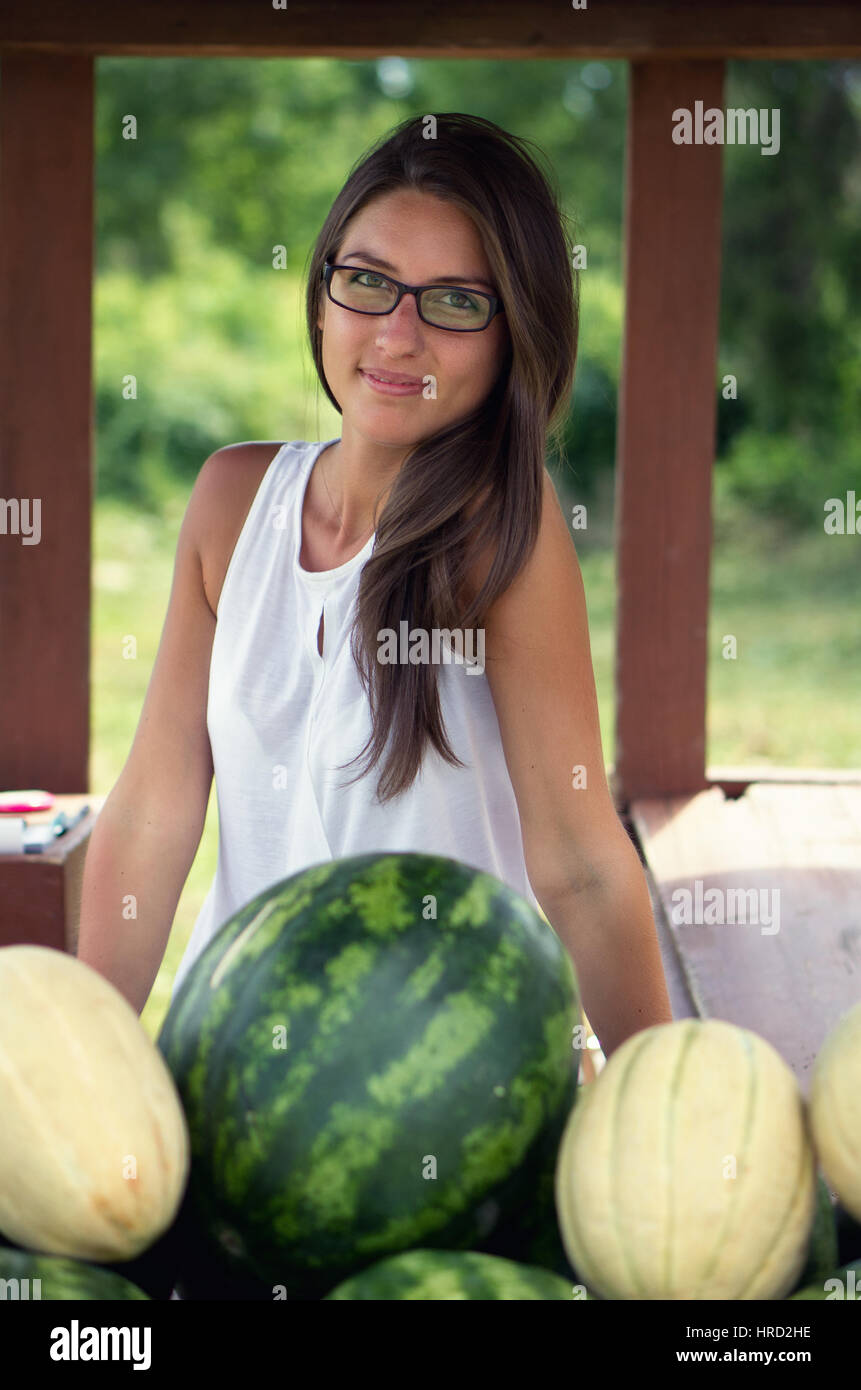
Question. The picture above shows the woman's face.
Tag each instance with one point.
(423, 240)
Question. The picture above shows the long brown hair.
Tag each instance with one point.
(425, 542)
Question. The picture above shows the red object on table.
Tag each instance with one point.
(18, 803)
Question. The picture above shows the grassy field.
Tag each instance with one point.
(789, 698)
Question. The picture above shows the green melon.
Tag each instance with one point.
(447, 1275)
(848, 1235)
(531, 1235)
(201, 1270)
(822, 1251)
(370, 1054)
(59, 1278)
(819, 1293)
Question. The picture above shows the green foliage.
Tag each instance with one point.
(791, 302)
(590, 433)
(792, 475)
(233, 158)
(216, 352)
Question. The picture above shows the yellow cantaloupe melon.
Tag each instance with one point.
(94, 1148)
(835, 1109)
(686, 1169)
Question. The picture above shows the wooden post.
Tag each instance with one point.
(667, 409)
(46, 241)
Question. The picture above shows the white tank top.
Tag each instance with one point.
(281, 718)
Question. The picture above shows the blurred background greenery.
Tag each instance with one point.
(236, 157)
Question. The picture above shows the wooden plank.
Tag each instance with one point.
(681, 1000)
(733, 781)
(634, 30)
(46, 236)
(795, 851)
(851, 809)
(666, 434)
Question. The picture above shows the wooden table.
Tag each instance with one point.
(40, 894)
(789, 852)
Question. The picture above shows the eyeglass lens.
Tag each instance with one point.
(442, 305)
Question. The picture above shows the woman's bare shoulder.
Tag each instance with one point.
(228, 484)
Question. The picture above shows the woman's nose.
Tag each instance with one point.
(402, 327)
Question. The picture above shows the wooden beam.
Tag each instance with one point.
(734, 781)
(46, 240)
(635, 30)
(666, 433)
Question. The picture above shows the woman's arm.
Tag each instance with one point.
(608, 930)
(583, 868)
(149, 829)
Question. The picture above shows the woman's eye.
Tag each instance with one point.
(367, 273)
(465, 300)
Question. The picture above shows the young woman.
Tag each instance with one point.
(354, 580)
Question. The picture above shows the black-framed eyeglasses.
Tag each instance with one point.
(366, 291)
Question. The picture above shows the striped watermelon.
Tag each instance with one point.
(449, 1274)
(25, 1275)
(822, 1248)
(369, 1055)
(848, 1235)
(848, 1277)
(531, 1236)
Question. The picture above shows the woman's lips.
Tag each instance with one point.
(391, 388)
